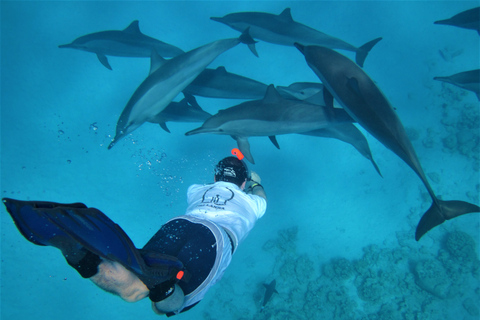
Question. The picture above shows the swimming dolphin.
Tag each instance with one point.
(219, 83)
(271, 116)
(270, 290)
(469, 19)
(166, 80)
(282, 29)
(365, 103)
(187, 110)
(130, 42)
(301, 91)
(349, 133)
(469, 80)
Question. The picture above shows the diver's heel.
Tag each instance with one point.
(87, 266)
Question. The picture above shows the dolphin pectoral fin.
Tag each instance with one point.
(163, 125)
(363, 51)
(244, 146)
(327, 97)
(274, 141)
(440, 211)
(103, 60)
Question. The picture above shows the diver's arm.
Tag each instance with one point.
(253, 186)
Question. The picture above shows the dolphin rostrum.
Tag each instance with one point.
(130, 42)
(282, 29)
(271, 116)
(365, 103)
(166, 80)
(469, 80)
(269, 291)
(219, 83)
(469, 19)
(187, 110)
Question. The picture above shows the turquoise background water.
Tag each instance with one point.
(59, 108)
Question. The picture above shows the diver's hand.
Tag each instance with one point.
(254, 177)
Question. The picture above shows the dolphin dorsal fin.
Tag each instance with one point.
(286, 15)
(133, 28)
(156, 61)
(272, 95)
(221, 70)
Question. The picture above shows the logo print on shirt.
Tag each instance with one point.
(217, 197)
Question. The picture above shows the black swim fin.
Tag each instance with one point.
(66, 225)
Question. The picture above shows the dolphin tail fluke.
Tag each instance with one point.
(248, 40)
(440, 211)
(363, 51)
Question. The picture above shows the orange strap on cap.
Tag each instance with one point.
(180, 275)
(237, 153)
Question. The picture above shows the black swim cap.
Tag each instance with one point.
(231, 170)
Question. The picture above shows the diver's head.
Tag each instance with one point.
(231, 170)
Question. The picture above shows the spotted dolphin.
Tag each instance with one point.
(219, 83)
(282, 29)
(130, 42)
(269, 291)
(187, 110)
(273, 115)
(166, 80)
(469, 80)
(366, 104)
(469, 19)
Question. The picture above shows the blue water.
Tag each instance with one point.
(59, 108)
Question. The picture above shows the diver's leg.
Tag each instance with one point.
(115, 278)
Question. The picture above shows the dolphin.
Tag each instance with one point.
(271, 116)
(349, 133)
(366, 104)
(469, 80)
(282, 29)
(270, 290)
(469, 19)
(187, 110)
(219, 83)
(130, 42)
(166, 80)
(301, 91)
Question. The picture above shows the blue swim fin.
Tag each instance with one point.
(75, 225)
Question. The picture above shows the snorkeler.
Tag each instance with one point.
(178, 265)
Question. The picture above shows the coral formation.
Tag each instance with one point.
(400, 282)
